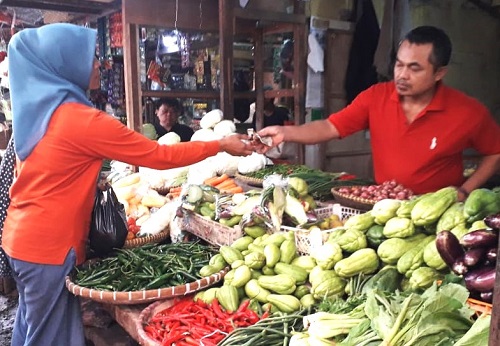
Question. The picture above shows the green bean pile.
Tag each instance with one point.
(148, 267)
(283, 170)
(271, 331)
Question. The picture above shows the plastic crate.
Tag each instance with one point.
(209, 230)
(306, 239)
(480, 307)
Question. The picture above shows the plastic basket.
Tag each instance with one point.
(480, 307)
(305, 239)
(209, 230)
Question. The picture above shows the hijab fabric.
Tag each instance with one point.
(48, 66)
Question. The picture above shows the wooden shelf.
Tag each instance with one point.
(208, 94)
(267, 16)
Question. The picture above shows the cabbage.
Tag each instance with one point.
(211, 119)
(225, 128)
(169, 139)
(149, 131)
(205, 135)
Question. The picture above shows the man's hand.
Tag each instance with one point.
(236, 144)
(275, 133)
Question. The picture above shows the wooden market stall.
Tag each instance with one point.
(230, 21)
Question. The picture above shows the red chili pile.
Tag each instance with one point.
(191, 323)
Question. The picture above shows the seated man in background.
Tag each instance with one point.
(274, 115)
(168, 111)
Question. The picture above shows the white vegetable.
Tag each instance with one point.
(205, 135)
(211, 119)
(225, 163)
(159, 220)
(251, 163)
(201, 171)
(169, 139)
(225, 128)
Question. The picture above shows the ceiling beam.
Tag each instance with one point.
(75, 6)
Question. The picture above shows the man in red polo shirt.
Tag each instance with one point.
(419, 127)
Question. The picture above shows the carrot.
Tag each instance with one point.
(228, 187)
(209, 181)
(219, 180)
(176, 189)
(225, 183)
(233, 190)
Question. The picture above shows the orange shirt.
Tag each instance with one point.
(53, 194)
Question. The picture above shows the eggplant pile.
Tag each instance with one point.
(473, 256)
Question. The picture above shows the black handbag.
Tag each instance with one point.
(108, 227)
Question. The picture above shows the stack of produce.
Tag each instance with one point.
(319, 183)
(197, 323)
(285, 203)
(474, 256)
(144, 268)
(388, 189)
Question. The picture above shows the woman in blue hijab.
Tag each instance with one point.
(60, 142)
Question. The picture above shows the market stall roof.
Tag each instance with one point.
(37, 12)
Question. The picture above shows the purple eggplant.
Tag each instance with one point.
(479, 238)
(480, 279)
(491, 254)
(459, 267)
(487, 297)
(493, 221)
(474, 256)
(449, 247)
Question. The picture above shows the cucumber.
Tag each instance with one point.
(194, 194)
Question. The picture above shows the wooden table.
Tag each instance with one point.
(126, 316)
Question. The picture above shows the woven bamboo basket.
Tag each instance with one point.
(153, 239)
(249, 180)
(144, 296)
(352, 201)
(146, 315)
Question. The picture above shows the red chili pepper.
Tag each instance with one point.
(171, 339)
(347, 177)
(217, 309)
(243, 306)
(190, 341)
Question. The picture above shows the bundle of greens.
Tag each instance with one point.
(440, 316)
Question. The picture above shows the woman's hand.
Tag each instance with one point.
(236, 144)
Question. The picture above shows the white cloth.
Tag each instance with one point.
(4, 73)
(316, 56)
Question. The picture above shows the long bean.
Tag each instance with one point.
(271, 331)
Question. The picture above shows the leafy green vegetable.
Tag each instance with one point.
(478, 334)
(439, 316)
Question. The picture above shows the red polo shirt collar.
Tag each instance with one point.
(437, 102)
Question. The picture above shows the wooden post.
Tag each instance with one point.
(259, 77)
(133, 100)
(494, 339)
(226, 39)
(299, 74)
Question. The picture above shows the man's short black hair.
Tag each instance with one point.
(441, 43)
(174, 103)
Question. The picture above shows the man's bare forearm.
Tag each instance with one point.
(311, 133)
(488, 166)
